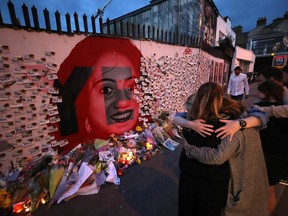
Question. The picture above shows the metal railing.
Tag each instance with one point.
(113, 29)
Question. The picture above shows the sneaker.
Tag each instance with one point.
(284, 181)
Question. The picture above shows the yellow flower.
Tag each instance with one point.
(139, 129)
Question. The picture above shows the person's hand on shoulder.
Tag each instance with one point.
(197, 125)
(228, 130)
(201, 127)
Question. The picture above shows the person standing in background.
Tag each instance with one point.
(238, 85)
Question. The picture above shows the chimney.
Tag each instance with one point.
(261, 21)
(286, 15)
(277, 20)
(238, 29)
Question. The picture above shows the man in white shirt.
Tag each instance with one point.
(238, 85)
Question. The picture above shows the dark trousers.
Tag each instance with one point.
(201, 197)
(237, 98)
(277, 168)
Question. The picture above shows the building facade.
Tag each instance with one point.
(194, 18)
(269, 42)
(224, 29)
(225, 34)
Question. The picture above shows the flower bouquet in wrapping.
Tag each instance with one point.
(84, 189)
(68, 179)
(90, 154)
(36, 193)
(56, 174)
(29, 202)
(167, 127)
(111, 174)
(21, 186)
(77, 174)
(43, 178)
(69, 176)
(84, 173)
(39, 165)
(91, 185)
(99, 144)
(86, 183)
(149, 136)
(164, 115)
(75, 160)
(18, 189)
(28, 191)
(158, 134)
(98, 178)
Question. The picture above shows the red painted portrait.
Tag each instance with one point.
(96, 82)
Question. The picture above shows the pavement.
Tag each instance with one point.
(281, 208)
(148, 189)
(252, 95)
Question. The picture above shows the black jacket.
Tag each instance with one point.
(192, 167)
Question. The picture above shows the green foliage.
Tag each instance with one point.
(164, 115)
(226, 42)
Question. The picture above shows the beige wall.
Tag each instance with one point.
(174, 72)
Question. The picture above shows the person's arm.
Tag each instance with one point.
(217, 155)
(197, 125)
(277, 111)
(246, 85)
(255, 119)
(229, 86)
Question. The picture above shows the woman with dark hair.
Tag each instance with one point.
(221, 177)
(96, 83)
(203, 189)
(270, 93)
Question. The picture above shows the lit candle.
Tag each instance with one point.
(148, 146)
(18, 207)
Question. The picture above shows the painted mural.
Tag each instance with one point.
(102, 87)
(96, 85)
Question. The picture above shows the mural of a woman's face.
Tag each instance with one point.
(97, 83)
(117, 88)
(112, 109)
